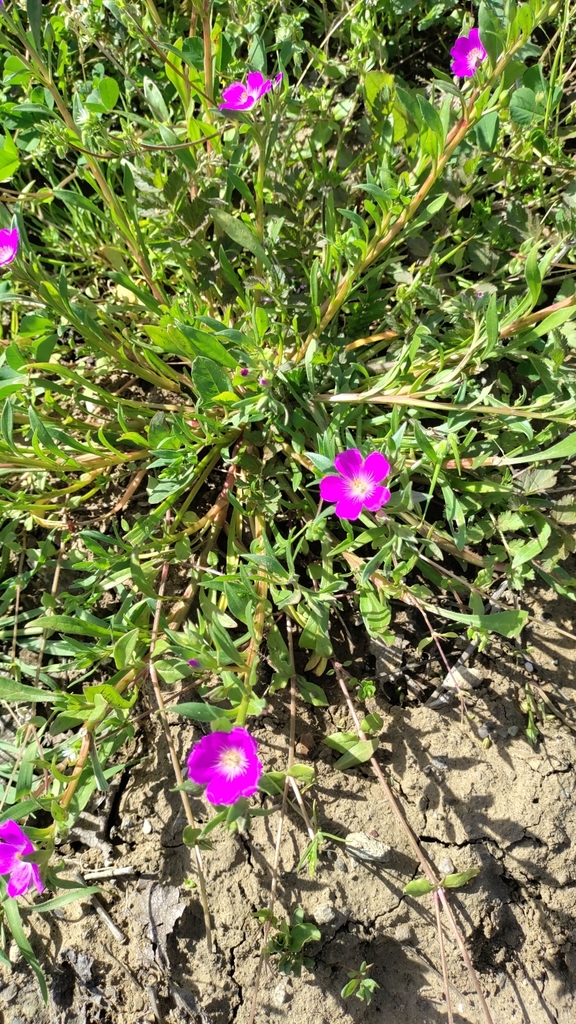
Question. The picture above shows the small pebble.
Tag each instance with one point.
(279, 994)
(323, 914)
(306, 744)
(529, 666)
(9, 993)
(404, 933)
(146, 827)
(341, 865)
(486, 729)
(364, 847)
(445, 866)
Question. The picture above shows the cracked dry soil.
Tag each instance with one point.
(509, 809)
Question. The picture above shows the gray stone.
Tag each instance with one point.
(280, 994)
(10, 993)
(404, 934)
(324, 914)
(364, 848)
(445, 866)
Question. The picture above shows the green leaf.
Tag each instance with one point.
(419, 887)
(272, 783)
(533, 276)
(12, 914)
(455, 881)
(155, 100)
(62, 901)
(509, 623)
(9, 158)
(109, 92)
(374, 82)
(565, 449)
(201, 343)
(240, 233)
(303, 773)
(490, 33)
(110, 695)
(300, 934)
(487, 131)
(372, 723)
(350, 988)
(362, 751)
(527, 552)
(209, 379)
(341, 741)
(432, 118)
(312, 693)
(79, 627)
(125, 647)
(522, 107)
(492, 329)
(13, 691)
(34, 9)
(198, 712)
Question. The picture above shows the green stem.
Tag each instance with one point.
(260, 178)
(258, 626)
(206, 18)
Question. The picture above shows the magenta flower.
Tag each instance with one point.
(467, 53)
(13, 844)
(194, 662)
(226, 763)
(238, 96)
(9, 240)
(358, 486)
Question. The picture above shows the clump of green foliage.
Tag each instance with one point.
(386, 251)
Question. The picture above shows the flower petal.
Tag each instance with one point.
(21, 879)
(236, 96)
(349, 507)
(332, 488)
(251, 778)
(9, 241)
(349, 462)
(203, 758)
(36, 878)
(256, 83)
(376, 467)
(223, 790)
(8, 858)
(14, 836)
(377, 497)
(233, 92)
(474, 40)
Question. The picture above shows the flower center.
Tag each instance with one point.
(232, 762)
(359, 486)
(475, 57)
(244, 97)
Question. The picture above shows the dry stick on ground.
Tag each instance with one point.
(173, 755)
(426, 866)
(443, 959)
(276, 865)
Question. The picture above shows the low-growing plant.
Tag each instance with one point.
(286, 346)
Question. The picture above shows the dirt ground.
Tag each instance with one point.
(508, 808)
